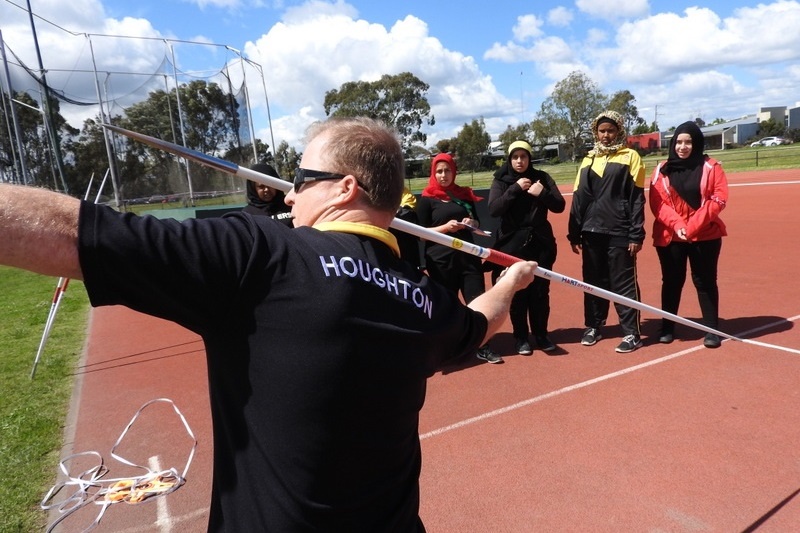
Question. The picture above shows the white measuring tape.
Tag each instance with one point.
(89, 486)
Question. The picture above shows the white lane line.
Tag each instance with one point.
(570, 388)
(163, 520)
(758, 183)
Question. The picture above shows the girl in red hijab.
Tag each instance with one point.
(442, 185)
(449, 208)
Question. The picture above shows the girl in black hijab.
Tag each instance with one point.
(521, 196)
(687, 194)
(266, 200)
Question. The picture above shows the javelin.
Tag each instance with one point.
(61, 289)
(493, 256)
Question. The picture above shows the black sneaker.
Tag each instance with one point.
(712, 341)
(666, 338)
(629, 343)
(591, 336)
(489, 355)
(524, 347)
(545, 344)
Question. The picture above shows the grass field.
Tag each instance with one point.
(33, 412)
(733, 160)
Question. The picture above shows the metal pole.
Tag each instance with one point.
(169, 110)
(247, 103)
(13, 162)
(106, 133)
(17, 133)
(180, 119)
(61, 289)
(172, 127)
(48, 113)
(266, 97)
(232, 100)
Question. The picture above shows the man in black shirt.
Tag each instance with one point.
(319, 339)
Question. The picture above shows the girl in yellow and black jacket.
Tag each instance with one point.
(606, 226)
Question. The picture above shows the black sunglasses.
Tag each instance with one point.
(304, 175)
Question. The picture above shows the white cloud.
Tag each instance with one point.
(68, 57)
(527, 27)
(700, 85)
(559, 16)
(290, 128)
(509, 53)
(552, 49)
(614, 9)
(318, 9)
(545, 50)
(224, 4)
(345, 49)
(752, 54)
(595, 36)
(753, 36)
(696, 95)
(682, 62)
(234, 4)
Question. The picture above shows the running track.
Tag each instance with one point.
(670, 438)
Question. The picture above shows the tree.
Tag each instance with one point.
(472, 143)
(419, 152)
(445, 146)
(34, 149)
(398, 100)
(91, 158)
(771, 128)
(210, 125)
(623, 103)
(700, 122)
(244, 154)
(519, 133)
(567, 114)
(37, 152)
(287, 160)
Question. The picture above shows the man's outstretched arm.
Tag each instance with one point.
(39, 231)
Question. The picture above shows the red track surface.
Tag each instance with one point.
(668, 438)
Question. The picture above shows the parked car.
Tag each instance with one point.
(771, 141)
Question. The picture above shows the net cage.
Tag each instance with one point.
(57, 142)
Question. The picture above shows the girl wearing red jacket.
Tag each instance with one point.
(687, 194)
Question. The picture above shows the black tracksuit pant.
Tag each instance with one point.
(612, 268)
(530, 307)
(703, 257)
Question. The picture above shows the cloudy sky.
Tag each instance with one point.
(497, 60)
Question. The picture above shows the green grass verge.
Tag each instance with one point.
(733, 160)
(33, 411)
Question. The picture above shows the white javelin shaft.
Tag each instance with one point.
(487, 253)
(433, 236)
(614, 297)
